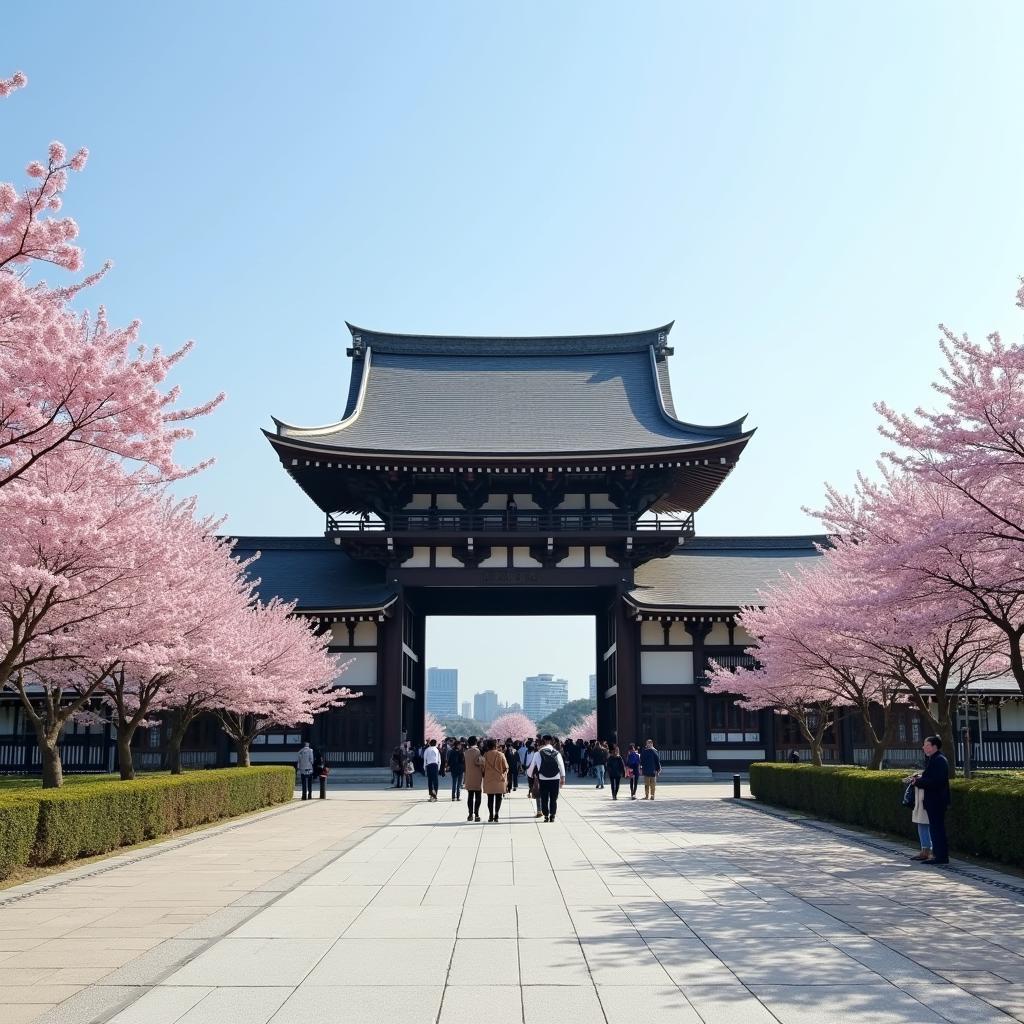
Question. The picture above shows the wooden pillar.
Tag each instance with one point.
(389, 681)
(627, 674)
(419, 678)
(699, 631)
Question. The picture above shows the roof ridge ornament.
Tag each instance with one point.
(661, 348)
(358, 349)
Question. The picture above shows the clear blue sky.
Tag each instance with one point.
(807, 189)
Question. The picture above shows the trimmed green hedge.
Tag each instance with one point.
(51, 826)
(986, 817)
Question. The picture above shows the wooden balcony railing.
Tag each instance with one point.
(541, 523)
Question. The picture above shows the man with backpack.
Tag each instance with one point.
(549, 768)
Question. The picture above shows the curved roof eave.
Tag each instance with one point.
(330, 428)
(688, 451)
(732, 428)
(398, 336)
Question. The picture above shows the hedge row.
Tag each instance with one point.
(986, 816)
(52, 826)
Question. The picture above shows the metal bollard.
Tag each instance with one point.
(736, 787)
(323, 787)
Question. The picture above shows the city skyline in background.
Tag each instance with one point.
(541, 694)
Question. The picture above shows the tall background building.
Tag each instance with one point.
(467, 709)
(485, 706)
(543, 694)
(593, 687)
(443, 691)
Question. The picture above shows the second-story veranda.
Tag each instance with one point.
(537, 441)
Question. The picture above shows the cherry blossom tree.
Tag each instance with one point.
(585, 729)
(432, 728)
(513, 725)
(65, 377)
(284, 675)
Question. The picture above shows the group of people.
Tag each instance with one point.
(489, 767)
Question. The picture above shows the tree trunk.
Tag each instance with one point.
(242, 746)
(816, 752)
(174, 743)
(124, 755)
(53, 770)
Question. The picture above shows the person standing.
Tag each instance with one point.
(397, 768)
(474, 779)
(432, 766)
(456, 766)
(650, 763)
(494, 778)
(549, 768)
(600, 759)
(408, 769)
(616, 769)
(934, 781)
(304, 766)
(633, 769)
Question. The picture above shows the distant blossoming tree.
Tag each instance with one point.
(514, 725)
(432, 728)
(585, 729)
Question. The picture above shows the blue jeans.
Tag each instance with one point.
(924, 833)
(456, 785)
(599, 774)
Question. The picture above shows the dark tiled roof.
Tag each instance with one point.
(720, 572)
(510, 395)
(314, 572)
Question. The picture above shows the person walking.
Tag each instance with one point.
(432, 766)
(512, 757)
(633, 769)
(408, 769)
(495, 777)
(549, 768)
(934, 781)
(616, 769)
(304, 766)
(474, 779)
(600, 759)
(650, 764)
(456, 767)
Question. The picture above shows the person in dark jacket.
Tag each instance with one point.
(650, 762)
(633, 769)
(616, 769)
(456, 766)
(934, 780)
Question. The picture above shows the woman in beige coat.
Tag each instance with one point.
(920, 819)
(474, 779)
(495, 778)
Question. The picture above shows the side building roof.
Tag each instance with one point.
(719, 573)
(316, 574)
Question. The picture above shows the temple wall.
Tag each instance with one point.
(361, 673)
(444, 559)
(576, 558)
(651, 633)
(719, 634)
(663, 668)
(599, 559)
(497, 559)
(419, 559)
(522, 559)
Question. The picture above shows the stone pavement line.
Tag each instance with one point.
(663, 912)
(77, 946)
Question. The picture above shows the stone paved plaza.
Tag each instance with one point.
(377, 906)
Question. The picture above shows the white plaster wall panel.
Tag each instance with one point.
(339, 634)
(449, 501)
(366, 634)
(652, 633)
(573, 503)
(602, 501)
(576, 559)
(361, 673)
(743, 638)
(419, 501)
(446, 560)
(678, 635)
(522, 559)
(497, 559)
(599, 559)
(498, 502)
(419, 559)
(719, 634)
(666, 668)
(1012, 716)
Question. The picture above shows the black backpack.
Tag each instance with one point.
(549, 763)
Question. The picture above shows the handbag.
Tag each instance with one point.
(909, 796)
